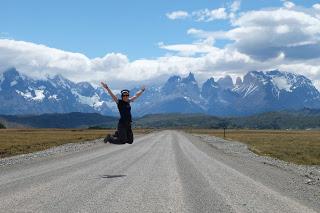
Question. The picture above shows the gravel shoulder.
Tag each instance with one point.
(298, 182)
(58, 151)
(53, 153)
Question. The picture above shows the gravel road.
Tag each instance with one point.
(167, 171)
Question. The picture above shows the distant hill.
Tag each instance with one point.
(295, 119)
(58, 120)
(179, 120)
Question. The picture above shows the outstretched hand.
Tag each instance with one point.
(104, 85)
(143, 88)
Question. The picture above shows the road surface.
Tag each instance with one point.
(167, 171)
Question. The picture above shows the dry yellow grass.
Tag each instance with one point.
(300, 147)
(21, 141)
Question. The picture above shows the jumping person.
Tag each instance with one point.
(124, 132)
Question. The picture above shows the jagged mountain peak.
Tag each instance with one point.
(177, 85)
(292, 78)
(85, 85)
(209, 88)
(58, 77)
(178, 79)
(256, 78)
(274, 90)
(189, 78)
(211, 82)
(226, 82)
(238, 82)
(174, 79)
(11, 79)
(279, 80)
(11, 72)
(59, 80)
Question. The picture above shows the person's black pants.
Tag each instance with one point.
(123, 134)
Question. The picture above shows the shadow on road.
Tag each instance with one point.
(112, 176)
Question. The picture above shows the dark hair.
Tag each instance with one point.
(124, 91)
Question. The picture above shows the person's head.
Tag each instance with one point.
(125, 95)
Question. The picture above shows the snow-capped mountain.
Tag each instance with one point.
(176, 95)
(258, 92)
(20, 94)
(275, 90)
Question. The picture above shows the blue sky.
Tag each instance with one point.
(147, 41)
(97, 27)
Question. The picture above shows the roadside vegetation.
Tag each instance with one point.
(300, 147)
(2, 126)
(22, 141)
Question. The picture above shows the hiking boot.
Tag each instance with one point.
(129, 142)
(107, 138)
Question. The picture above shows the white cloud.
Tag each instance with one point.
(205, 34)
(207, 15)
(288, 4)
(266, 33)
(278, 38)
(110, 61)
(191, 49)
(39, 61)
(282, 29)
(177, 15)
(235, 6)
(316, 6)
(210, 15)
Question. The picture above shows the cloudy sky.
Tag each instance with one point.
(133, 42)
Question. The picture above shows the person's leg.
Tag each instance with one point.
(107, 138)
(129, 135)
(116, 134)
(121, 135)
(110, 137)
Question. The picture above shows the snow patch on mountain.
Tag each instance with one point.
(93, 101)
(112, 105)
(26, 95)
(282, 83)
(39, 95)
(2, 79)
(53, 97)
(13, 83)
(250, 89)
(59, 81)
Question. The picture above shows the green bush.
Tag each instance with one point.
(2, 126)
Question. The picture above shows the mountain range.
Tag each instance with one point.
(258, 92)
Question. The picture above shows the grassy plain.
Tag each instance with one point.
(300, 147)
(22, 141)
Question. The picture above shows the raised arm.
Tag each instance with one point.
(137, 95)
(105, 86)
